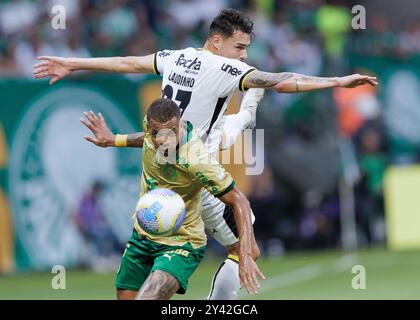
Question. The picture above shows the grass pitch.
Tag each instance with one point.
(321, 275)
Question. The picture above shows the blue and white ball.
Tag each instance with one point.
(160, 212)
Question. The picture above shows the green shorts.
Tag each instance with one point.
(142, 256)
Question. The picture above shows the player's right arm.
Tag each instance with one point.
(103, 136)
(58, 67)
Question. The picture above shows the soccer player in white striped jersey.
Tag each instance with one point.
(201, 82)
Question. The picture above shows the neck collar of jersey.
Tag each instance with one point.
(204, 49)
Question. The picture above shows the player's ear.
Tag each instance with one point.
(217, 41)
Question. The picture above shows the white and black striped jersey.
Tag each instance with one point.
(202, 84)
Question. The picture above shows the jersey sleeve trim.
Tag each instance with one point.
(155, 69)
(229, 188)
(242, 81)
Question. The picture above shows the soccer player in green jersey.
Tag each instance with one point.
(174, 157)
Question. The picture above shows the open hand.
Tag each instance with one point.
(103, 136)
(248, 272)
(356, 80)
(54, 67)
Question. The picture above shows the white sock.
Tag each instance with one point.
(233, 127)
(226, 283)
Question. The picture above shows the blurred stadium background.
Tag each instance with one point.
(341, 180)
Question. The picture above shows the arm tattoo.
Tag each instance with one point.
(159, 285)
(135, 140)
(267, 79)
(306, 79)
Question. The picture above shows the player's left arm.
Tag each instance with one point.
(290, 82)
(103, 136)
(248, 269)
(211, 175)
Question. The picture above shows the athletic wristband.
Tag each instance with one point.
(121, 140)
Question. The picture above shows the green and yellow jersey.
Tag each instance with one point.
(194, 169)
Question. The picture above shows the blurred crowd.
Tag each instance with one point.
(313, 147)
(291, 34)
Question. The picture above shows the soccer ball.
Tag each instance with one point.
(160, 212)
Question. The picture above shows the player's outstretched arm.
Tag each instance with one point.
(248, 269)
(103, 137)
(57, 67)
(289, 82)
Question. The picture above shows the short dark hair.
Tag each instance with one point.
(163, 110)
(230, 20)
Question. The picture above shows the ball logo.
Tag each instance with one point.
(148, 219)
(151, 212)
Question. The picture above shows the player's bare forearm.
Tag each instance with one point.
(159, 285)
(57, 67)
(114, 64)
(242, 213)
(248, 269)
(132, 140)
(135, 140)
(289, 82)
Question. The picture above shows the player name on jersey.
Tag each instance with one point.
(181, 80)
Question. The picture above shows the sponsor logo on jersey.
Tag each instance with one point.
(181, 80)
(231, 70)
(188, 64)
(169, 172)
(181, 252)
(204, 180)
(163, 54)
